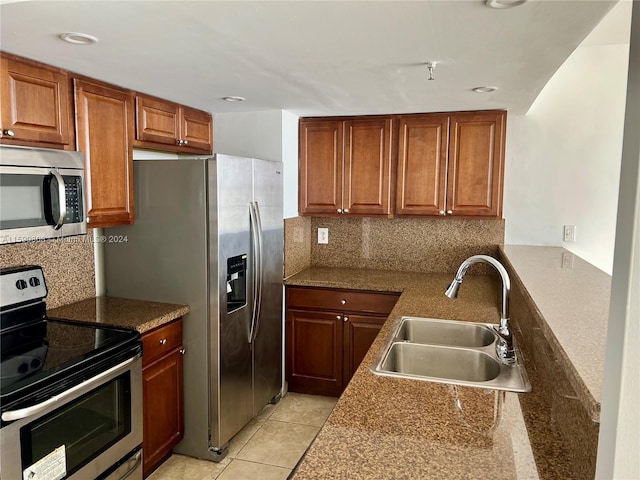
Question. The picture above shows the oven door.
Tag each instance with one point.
(80, 433)
(38, 203)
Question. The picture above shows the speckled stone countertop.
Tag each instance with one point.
(140, 315)
(572, 296)
(386, 428)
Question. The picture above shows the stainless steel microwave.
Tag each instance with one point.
(41, 194)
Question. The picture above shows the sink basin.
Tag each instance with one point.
(447, 351)
(445, 332)
(441, 362)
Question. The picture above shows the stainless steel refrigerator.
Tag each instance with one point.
(209, 233)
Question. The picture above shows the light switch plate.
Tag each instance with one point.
(569, 233)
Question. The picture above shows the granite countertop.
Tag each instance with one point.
(572, 296)
(387, 428)
(139, 315)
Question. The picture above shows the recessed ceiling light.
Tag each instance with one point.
(503, 3)
(484, 89)
(78, 38)
(234, 98)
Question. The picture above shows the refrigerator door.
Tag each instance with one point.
(164, 259)
(267, 346)
(231, 380)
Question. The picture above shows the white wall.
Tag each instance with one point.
(619, 441)
(563, 156)
(269, 134)
(290, 159)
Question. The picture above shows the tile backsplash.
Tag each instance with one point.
(405, 244)
(67, 264)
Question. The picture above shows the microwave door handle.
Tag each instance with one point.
(43, 406)
(62, 199)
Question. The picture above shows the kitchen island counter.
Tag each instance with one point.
(140, 315)
(390, 428)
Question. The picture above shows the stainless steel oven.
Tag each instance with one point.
(41, 194)
(71, 393)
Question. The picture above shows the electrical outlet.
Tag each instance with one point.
(569, 233)
(567, 260)
(323, 236)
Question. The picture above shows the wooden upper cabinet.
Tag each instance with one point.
(104, 123)
(157, 121)
(321, 152)
(367, 167)
(36, 104)
(165, 125)
(476, 164)
(422, 164)
(345, 166)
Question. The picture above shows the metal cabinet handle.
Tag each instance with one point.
(441, 212)
(449, 212)
(183, 351)
(346, 319)
(163, 341)
(339, 317)
(8, 133)
(346, 210)
(185, 142)
(339, 210)
(343, 302)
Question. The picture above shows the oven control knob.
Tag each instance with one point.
(21, 284)
(34, 281)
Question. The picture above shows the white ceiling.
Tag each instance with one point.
(310, 58)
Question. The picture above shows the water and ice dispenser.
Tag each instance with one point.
(236, 282)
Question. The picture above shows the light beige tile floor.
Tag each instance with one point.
(268, 448)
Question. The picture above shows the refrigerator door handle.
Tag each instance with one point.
(255, 267)
(260, 270)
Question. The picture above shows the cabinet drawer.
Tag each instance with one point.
(161, 341)
(341, 300)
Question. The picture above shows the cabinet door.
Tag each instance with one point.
(422, 165)
(359, 333)
(104, 122)
(157, 120)
(197, 129)
(314, 352)
(162, 407)
(321, 153)
(35, 103)
(367, 167)
(476, 151)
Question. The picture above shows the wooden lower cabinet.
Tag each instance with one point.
(162, 391)
(325, 347)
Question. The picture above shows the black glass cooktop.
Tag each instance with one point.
(44, 351)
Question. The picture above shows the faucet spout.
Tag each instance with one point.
(504, 347)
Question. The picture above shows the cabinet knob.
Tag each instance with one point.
(183, 351)
(339, 210)
(441, 212)
(346, 210)
(88, 220)
(346, 319)
(185, 142)
(449, 212)
(8, 133)
(343, 301)
(338, 317)
(163, 341)
(181, 142)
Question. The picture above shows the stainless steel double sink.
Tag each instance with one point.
(448, 351)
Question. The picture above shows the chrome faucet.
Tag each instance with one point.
(504, 346)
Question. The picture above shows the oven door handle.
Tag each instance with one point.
(21, 413)
(137, 461)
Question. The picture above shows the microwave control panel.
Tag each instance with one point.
(73, 191)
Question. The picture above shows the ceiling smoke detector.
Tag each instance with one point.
(233, 98)
(78, 38)
(484, 89)
(503, 3)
